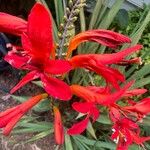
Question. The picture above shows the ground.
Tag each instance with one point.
(8, 79)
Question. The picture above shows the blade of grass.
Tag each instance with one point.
(59, 9)
(95, 14)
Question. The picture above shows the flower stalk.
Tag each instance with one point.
(69, 18)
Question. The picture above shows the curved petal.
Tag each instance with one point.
(26, 44)
(56, 88)
(105, 59)
(135, 92)
(142, 107)
(57, 66)
(99, 89)
(116, 57)
(40, 31)
(85, 93)
(78, 127)
(84, 107)
(11, 124)
(11, 24)
(27, 78)
(16, 60)
(58, 126)
(93, 63)
(104, 37)
(94, 113)
(113, 98)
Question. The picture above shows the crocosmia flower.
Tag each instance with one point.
(125, 133)
(37, 42)
(99, 63)
(11, 116)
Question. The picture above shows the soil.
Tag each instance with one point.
(8, 79)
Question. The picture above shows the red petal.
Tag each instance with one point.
(58, 127)
(15, 60)
(78, 127)
(99, 89)
(11, 124)
(27, 78)
(94, 113)
(112, 98)
(56, 88)
(114, 114)
(27, 105)
(139, 140)
(93, 63)
(135, 92)
(11, 24)
(85, 93)
(6, 112)
(105, 37)
(40, 31)
(26, 43)
(116, 57)
(82, 107)
(4, 120)
(111, 75)
(104, 59)
(142, 107)
(57, 66)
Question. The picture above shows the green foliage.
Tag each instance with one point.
(101, 17)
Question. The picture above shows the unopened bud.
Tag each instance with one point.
(70, 27)
(59, 35)
(76, 11)
(67, 10)
(65, 18)
(70, 3)
(66, 44)
(74, 19)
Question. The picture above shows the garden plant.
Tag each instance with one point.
(90, 78)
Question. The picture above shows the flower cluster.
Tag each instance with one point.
(37, 55)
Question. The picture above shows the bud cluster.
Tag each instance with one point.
(67, 27)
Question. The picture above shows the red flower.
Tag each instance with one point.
(58, 127)
(102, 36)
(135, 92)
(11, 116)
(142, 107)
(38, 47)
(11, 24)
(105, 99)
(86, 108)
(98, 63)
(92, 98)
(125, 133)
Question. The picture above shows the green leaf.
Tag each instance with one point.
(122, 18)
(96, 144)
(59, 11)
(40, 135)
(134, 147)
(68, 143)
(140, 73)
(141, 82)
(104, 119)
(105, 23)
(91, 130)
(38, 83)
(95, 13)
(82, 20)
